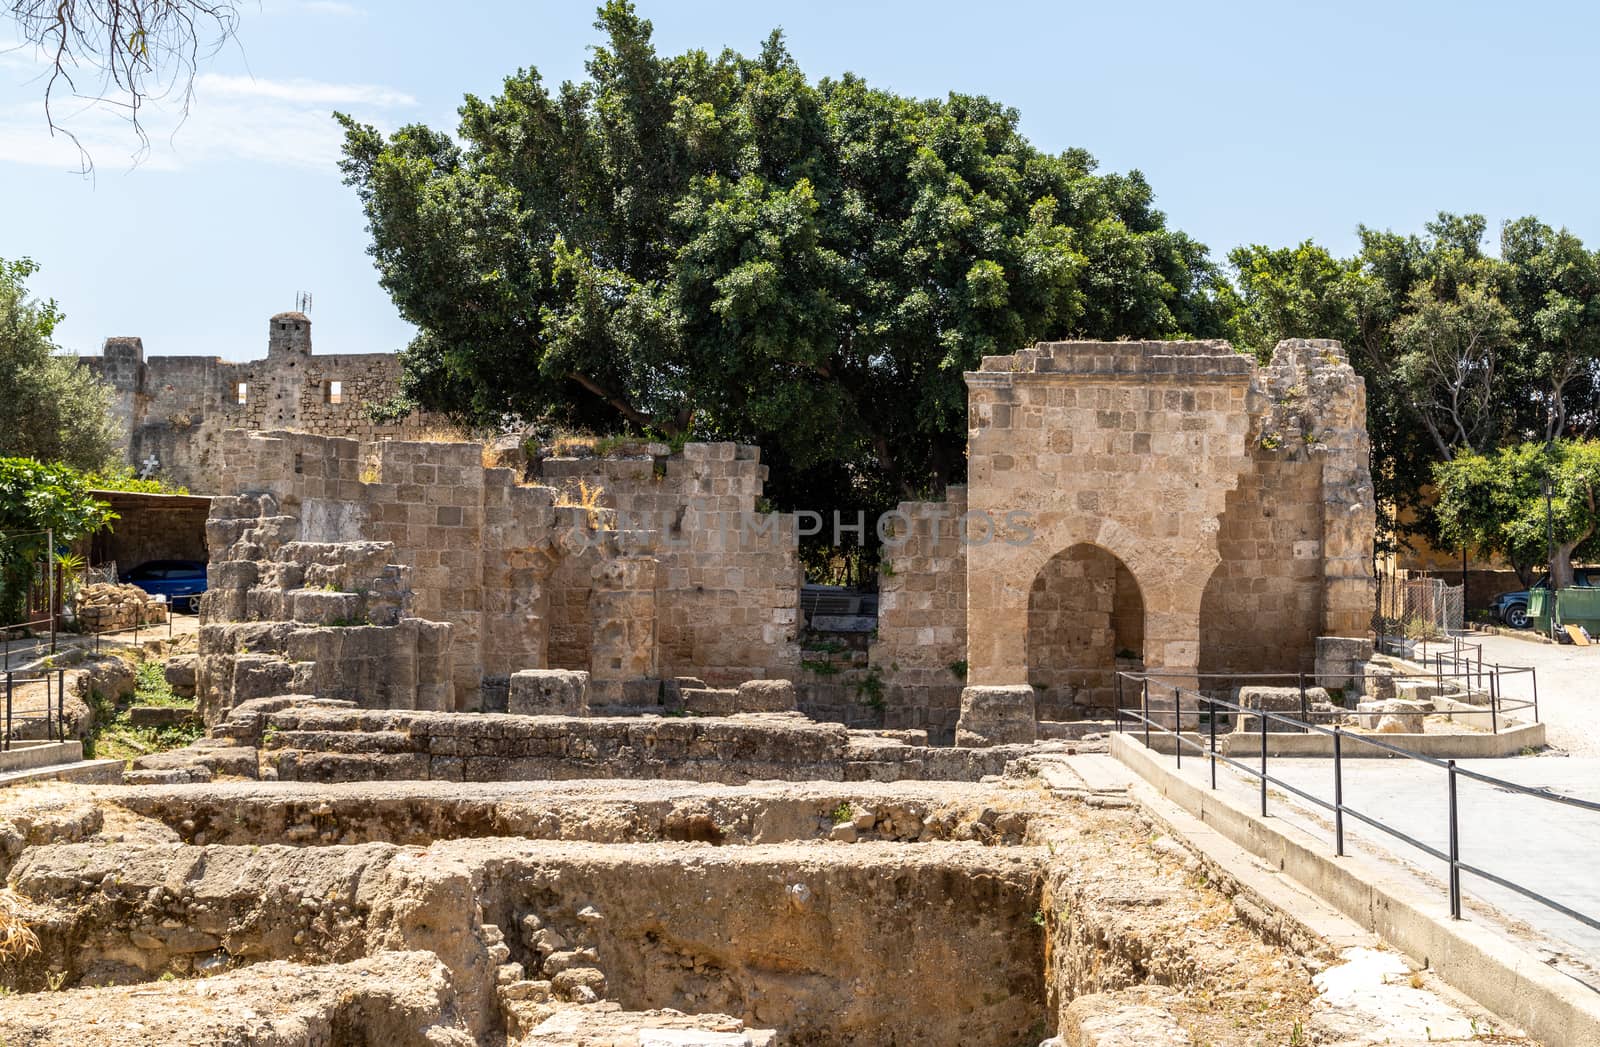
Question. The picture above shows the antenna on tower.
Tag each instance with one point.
(302, 302)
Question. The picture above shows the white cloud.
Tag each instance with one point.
(279, 122)
(303, 92)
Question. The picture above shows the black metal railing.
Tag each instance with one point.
(93, 618)
(1488, 680)
(20, 713)
(1187, 701)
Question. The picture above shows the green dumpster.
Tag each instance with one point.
(1579, 606)
(1539, 610)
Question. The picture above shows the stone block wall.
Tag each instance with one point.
(1238, 500)
(329, 619)
(728, 588)
(176, 408)
(663, 581)
(921, 645)
(477, 546)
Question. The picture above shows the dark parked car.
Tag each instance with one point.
(1512, 608)
(180, 581)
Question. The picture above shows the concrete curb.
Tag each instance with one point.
(83, 772)
(28, 755)
(1511, 741)
(1467, 956)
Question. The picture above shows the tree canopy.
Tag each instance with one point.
(718, 247)
(36, 497)
(1463, 353)
(53, 409)
(1496, 503)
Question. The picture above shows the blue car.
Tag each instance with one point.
(180, 581)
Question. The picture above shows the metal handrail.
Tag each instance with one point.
(55, 704)
(1451, 856)
(1498, 706)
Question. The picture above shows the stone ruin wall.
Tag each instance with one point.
(920, 648)
(176, 408)
(728, 582)
(1237, 501)
(501, 562)
(1168, 506)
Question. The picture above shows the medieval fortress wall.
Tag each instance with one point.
(176, 408)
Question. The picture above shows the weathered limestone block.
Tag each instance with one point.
(1285, 700)
(180, 672)
(1102, 1020)
(710, 701)
(1419, 691)
(103, 607)
(1380, 682)
(549, 692)
(1394, 716)
(159, 715)
(996, 716)
(766, 696)
(1341, 660)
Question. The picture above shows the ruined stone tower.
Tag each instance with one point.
(288, 335)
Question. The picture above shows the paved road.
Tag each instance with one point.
(1569, 687)
(1550, 848)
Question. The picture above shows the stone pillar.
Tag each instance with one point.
(1172, 655)
(997, 716)
(1324, 404)
(623, 658)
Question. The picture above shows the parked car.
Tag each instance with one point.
(180, 581)
(1512, 607)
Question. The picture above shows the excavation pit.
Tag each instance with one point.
(595, 912)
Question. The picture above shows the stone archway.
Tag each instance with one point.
(1086, 620)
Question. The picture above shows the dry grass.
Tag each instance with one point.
(437, 432)
(574, 445)
(581, 494)
(440, 432)
(17, 939)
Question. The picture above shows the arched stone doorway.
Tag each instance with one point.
(1086, 619)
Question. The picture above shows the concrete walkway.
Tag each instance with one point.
(1569, 687)
(1547, 847)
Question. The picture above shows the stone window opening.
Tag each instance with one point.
(241, 393)
(333, 393)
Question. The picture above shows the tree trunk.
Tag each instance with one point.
(1561, 564)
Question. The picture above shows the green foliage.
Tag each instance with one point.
(115, 737)
(35, 497)
(53, 409)
(718, 245)
(870, 690)
(1496, 503)
(1462, 353)
(842, 813)
(123, 478)
(151, 687)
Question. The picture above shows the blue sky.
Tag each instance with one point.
(1255, 123)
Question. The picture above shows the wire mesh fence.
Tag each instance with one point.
(1418, 609)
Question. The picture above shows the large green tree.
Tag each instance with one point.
(53, 409)
(1497, 503)
(1463, 353)
(720, 247)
